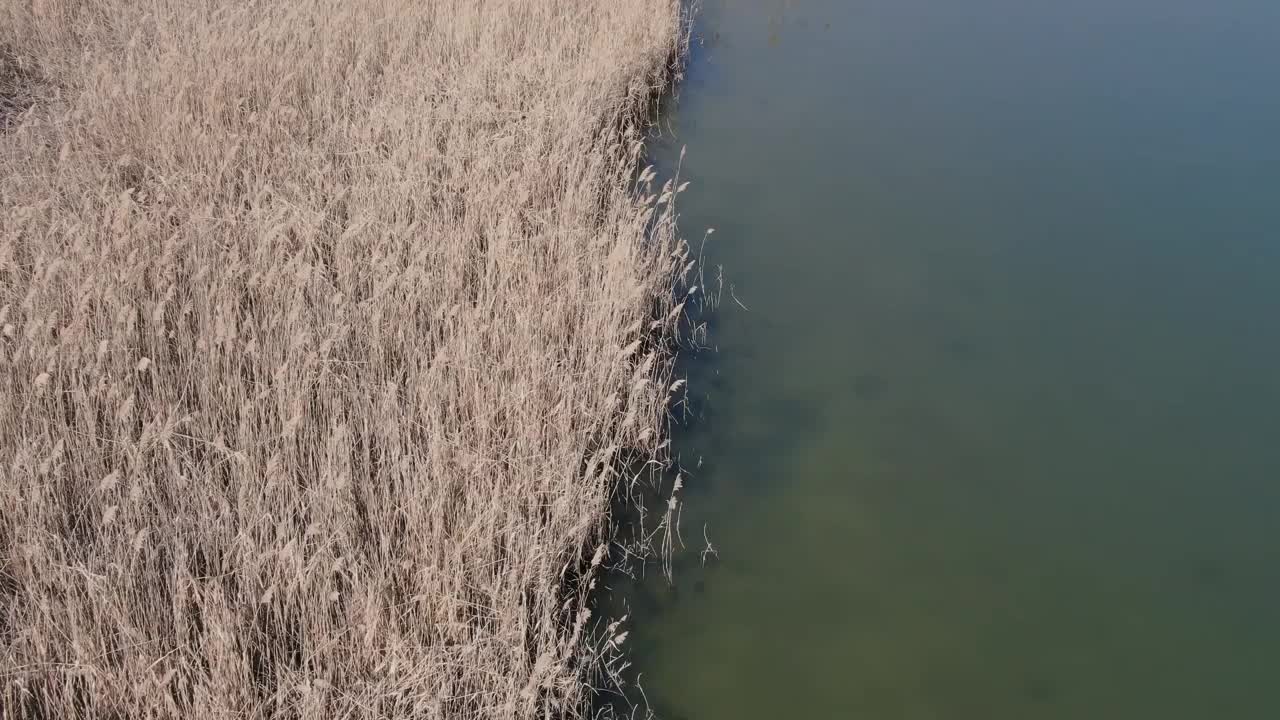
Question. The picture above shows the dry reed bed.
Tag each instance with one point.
(325, 324)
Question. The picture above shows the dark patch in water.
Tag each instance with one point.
(869, 386)
(685, 565)
(700, 586)
(664, 710)
(642, 601)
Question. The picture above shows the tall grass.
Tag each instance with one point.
(324, 328)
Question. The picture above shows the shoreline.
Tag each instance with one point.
(326, 330)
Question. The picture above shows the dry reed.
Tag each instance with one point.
(326, 326)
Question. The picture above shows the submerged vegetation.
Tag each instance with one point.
(326, 327)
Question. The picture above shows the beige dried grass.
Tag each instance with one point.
(17, 85)
(312, 381)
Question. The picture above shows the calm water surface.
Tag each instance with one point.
(998, 436)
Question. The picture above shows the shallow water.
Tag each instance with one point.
(997, 436)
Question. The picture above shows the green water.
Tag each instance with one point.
(997, 437)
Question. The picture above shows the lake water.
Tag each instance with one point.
(998, 435)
